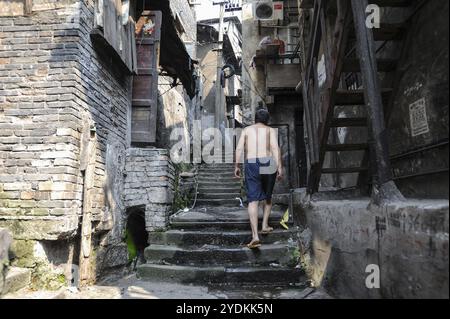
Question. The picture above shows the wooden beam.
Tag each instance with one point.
(384, 65)
(345, 170)
(356, 97)
(349, 122)
(337, 57)
(346, 147)
(28, 7)
(385, 188)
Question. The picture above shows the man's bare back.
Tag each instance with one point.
(258, 144)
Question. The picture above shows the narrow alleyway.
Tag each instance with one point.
(204, 254)
(207, 245)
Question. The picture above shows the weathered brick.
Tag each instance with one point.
(46, 186)
(16, 186)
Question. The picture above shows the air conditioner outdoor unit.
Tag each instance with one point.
(269, 11)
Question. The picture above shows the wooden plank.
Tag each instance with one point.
(349, 122)
(28, 7)
(347, 170)
(384, 65)
(356, 97)
(306, 4)
(367, 55)
(341, 31)
(110, 23)
(392, 3)
(346, 147)
(145, 84)
(132, 30)
(387, 32)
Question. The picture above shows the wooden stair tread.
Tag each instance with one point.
(356, 97)
(392, 3)
(386, 32)
(349, 122)
(384, 65)
(345, 170)
(346, 147)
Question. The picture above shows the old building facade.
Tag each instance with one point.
(68, 135)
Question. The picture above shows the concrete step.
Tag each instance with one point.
(216, 175)
(218, 178)
(209, 190)
(228, 196)
(219, 169)
(222, 225)
(221, 218)
(219, 183)
(16, 279)
(221, 275)
(218, 202)
(192, 238)
(220, 255)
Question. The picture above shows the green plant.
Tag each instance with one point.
(132, 250)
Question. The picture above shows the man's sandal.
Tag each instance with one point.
(267, 231)
(254, 244)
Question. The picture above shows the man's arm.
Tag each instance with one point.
(276, 151)
(239, 154)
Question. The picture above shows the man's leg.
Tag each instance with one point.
(267, 212)
(268, 182)
(253, 208)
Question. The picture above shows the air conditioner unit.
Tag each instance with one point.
(269, 11)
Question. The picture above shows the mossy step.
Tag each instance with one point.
(220, 255)
(16, 279)
(221, 275)
(199, 238)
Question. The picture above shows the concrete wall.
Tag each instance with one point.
(425, 77)
(408, 241)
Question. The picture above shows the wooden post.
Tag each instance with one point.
(87, 165)
(28, 7)
(384, 189)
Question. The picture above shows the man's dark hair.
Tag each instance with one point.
(262, 116)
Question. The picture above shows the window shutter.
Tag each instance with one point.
(145, 83)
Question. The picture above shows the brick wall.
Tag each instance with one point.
(55, 91)
(149, 184)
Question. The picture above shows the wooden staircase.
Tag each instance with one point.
(351, 55)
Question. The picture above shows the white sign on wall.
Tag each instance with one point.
(418, 118)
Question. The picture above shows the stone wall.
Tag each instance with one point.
(5, 242)
(149, 184)
(407, 241)
(55, 93)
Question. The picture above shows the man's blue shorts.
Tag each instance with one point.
(259, 179)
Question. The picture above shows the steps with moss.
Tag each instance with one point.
(207, 245)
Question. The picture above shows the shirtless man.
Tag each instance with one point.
(263, 166)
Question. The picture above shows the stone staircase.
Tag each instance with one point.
(218, 186)
(207, 245)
